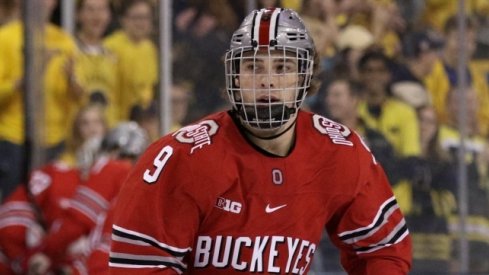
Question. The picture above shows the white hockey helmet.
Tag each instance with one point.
(127, 138)
(266, 31)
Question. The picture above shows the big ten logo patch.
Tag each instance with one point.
(197, 134)
(228, 205)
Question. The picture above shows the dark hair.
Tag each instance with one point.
(452, 24)
(140, 113)
(353, 86)
(414, 44)
(126, 5)
(373, 55)
(8, 5)
(434, 150)
(80, 3)
(315, 78)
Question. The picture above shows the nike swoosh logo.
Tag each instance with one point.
(269, 209)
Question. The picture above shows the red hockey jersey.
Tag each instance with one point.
(204, 200)
(89, 204)
(51, 187)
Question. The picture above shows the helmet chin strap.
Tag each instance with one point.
(270, 137)
(288, 111)
(265, 117)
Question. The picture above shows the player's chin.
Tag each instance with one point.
(269, 128)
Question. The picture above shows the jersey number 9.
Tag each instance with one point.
(159, 162)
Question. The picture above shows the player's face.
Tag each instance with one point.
(265, 77)
(94, 16)
(268, 85)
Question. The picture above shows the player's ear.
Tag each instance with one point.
(236, 81)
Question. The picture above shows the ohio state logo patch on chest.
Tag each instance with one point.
(197, 134)
(334, 130)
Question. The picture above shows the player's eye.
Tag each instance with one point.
(286, 67)
(252, 67)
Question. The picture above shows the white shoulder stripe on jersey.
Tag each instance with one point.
(144, 261)
(16, 221)
(396, 236)
(91, 195)
(87, 211)
(15, 206)
(148, 239)
(15, 213)
(382, 209)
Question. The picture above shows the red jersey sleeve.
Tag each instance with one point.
(372, 232)
(16, 215)
(89, 202)
(95, 196)
(155, 219)
(97, 261)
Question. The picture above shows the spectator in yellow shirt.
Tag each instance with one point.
(379, 110)
(444, 75)
(96, 65)
(395, 119)
(60, 94)
(136, 57)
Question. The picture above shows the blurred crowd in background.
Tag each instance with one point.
(389, 70)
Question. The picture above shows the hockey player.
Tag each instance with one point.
(92, 199)
(251, 190)
(26, 215)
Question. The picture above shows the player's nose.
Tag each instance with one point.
(267, 81)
